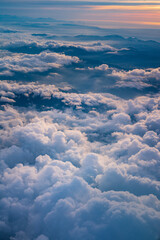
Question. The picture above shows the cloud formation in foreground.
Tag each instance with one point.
(77, 174)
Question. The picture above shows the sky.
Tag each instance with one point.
(113, 14)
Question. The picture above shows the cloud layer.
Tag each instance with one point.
(74, 174)
(79, 133)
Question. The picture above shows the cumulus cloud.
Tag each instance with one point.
(141, 73)
(136, 78)
(37, 62)
(10, 89)
(62, 179)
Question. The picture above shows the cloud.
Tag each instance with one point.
(116, 178)
(53, 199)
(53, 44)
(5, 99)
(11, 89)
(136, 78)
(35, 63)
(133, 74)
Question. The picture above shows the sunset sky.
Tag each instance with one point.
(125, 14)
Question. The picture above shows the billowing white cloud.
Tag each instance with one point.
(136, 78)
(138, 73)
(37, 62)
(9, 89)
(62, 179)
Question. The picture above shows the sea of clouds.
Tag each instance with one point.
(73, 174)
(77, 164)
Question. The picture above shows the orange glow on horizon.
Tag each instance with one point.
(134, 8)
(130, 22)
